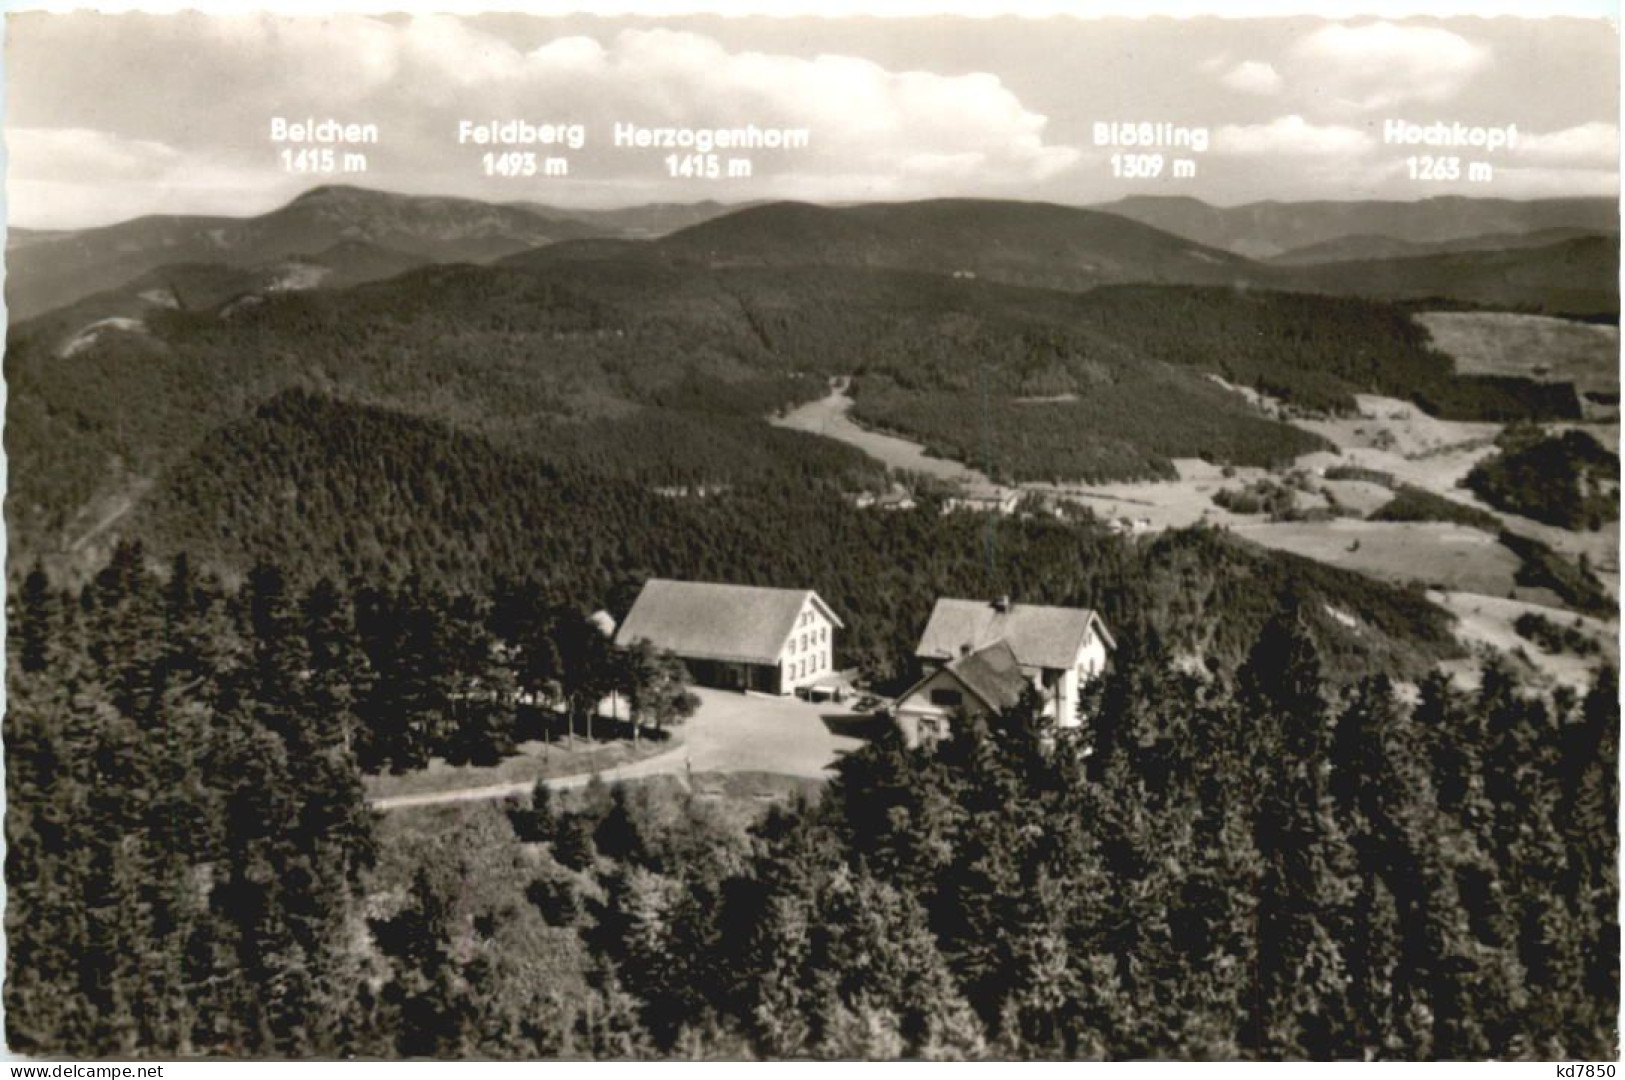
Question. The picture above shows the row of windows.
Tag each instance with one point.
(800, 669)
(809, 639)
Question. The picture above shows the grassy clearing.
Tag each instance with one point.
(742, 798)
(1452, 556)
(756, 786)
(1397, 429)
(1487, 624)
(1531, 346)
(1360, 497)
(830, 416)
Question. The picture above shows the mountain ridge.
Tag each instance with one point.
(46, 274)
(1051, 246)
(1268, 228)
(1033, 244)
(1365, 246)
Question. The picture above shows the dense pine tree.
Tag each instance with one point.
(1267, 863)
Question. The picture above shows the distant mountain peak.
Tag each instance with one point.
(332, 192)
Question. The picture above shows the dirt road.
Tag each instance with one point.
(730, 733)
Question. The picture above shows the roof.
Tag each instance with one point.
(992, 674)
(1045, 637)
(732, 623)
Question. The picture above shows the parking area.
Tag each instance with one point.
(730, 733)
(734, 732)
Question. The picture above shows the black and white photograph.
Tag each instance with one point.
(763, 534)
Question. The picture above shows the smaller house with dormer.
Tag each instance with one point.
(978, 656)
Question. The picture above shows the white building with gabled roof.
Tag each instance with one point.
(737, 637)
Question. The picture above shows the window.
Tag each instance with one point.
(929, 728)
(948, 699)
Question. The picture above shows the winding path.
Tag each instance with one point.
(672, 761)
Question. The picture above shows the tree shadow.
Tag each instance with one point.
(853, 725)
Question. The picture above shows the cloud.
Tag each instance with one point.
(908, 133)
(1291, 136)
(73, 177)
(1595, 145)
(1252, 77)
(189, 97)
(861, 116)
(65, 177)
(66, 153)
(1382, 65)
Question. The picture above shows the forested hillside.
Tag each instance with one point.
(1576, 277)
(1174, 241)
(500, 353)
(562, 361)
(1015, 243)
(1073, 249)
(325, 488)
(1250, 864)
(1369, 246)
(1312, 877)
(266, 542)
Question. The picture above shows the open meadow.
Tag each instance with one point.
(1436, 554)
(1533, 346)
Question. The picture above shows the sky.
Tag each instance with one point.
(113, 116)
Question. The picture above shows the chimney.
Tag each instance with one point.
(1002, 604)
